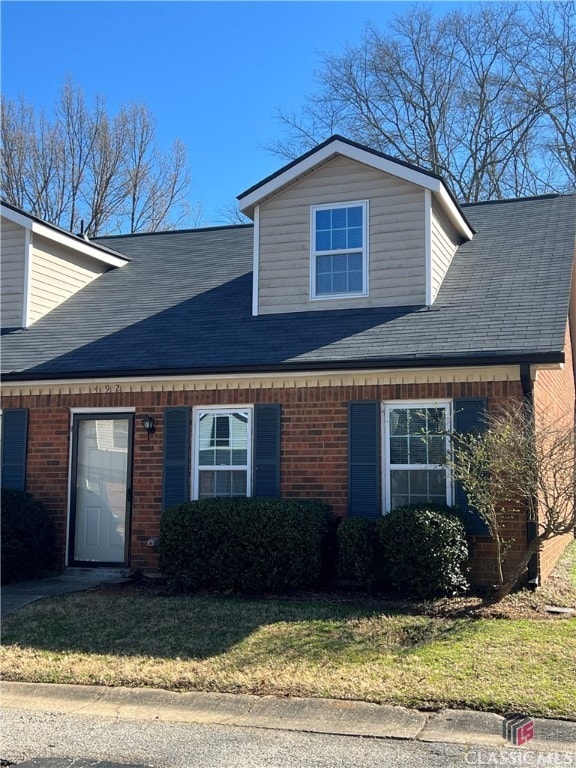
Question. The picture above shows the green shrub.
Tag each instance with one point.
(359, 551)
(424, 550)
(246, 545)
(28, 542)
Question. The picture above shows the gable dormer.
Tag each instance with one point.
(346, 227)
(43, 265)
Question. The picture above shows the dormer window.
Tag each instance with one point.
(339, 250)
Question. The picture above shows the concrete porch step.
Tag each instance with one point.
(91, 574)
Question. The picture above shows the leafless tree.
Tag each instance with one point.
(486, 97)
(523, 464)
(230, 214)
(549, 76)
(83, 164)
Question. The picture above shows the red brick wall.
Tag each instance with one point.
(554, 393)
(314, 459)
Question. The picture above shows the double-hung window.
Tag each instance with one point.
(339, 250)
(222, 452)
(415, 451)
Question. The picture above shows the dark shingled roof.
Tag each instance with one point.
(183, 305)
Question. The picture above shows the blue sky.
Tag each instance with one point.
(213, 73)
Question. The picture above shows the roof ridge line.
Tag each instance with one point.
(547, 196)
(217, 227)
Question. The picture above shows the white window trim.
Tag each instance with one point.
(314, 253)
(389, 405)
(223, 410)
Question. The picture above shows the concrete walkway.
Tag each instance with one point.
(15, 596)
(327, 716)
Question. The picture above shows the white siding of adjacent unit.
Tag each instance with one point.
(13, 245)
(396, 239)
(445, 241)
(56, 274)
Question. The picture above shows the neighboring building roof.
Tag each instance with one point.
(183, 306)
(83, 245)
(340, 146)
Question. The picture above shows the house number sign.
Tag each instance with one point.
(104, 388)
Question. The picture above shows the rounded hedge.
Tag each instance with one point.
(28, 543)
(243, 544)
(424, 550)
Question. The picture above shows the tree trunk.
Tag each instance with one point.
(514, 576)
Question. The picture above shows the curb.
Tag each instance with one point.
(325, 716)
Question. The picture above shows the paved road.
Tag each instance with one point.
(74, 740)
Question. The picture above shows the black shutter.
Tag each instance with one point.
(470, 418)
(364, 459)
(266, 477)
(14, 448)
(176, 477)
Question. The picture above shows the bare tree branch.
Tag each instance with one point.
(84, 164)
(523, 464)
(486, 97)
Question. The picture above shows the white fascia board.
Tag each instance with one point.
(16, 218)
(383, 164)
(61, 238)
(85, 248)
(326, 153)
(453, 213)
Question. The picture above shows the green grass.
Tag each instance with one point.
(316, 647)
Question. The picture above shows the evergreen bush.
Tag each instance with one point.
(424, 550)
(28, 543)
(244, 544)
(359, 556)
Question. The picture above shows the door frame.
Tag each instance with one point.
(86, 414)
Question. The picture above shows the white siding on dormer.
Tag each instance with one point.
(445, 241)
(397, 272)
(57, 273)
(12, 276)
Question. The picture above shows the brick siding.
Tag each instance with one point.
(314, 453)
(554, 393)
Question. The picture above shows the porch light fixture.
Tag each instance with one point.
(148, 424)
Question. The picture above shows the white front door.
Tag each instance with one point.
(101, 493)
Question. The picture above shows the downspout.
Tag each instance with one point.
(531, 525)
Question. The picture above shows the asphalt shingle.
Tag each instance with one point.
(183, 304)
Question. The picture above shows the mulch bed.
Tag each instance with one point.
(522, 605)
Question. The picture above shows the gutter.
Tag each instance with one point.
(408, 363)
(531, 525)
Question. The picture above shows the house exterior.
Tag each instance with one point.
(322, 351)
